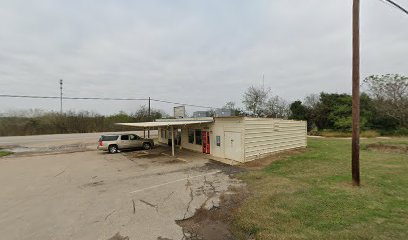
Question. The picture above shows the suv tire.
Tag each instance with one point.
(113, 149)
(147, 146)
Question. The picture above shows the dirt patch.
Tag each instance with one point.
(266, 161)
(155, 152)
(117, 236)
(215, 223)
(224, 168)
(143, 154)
(387, 148)
(173, 161)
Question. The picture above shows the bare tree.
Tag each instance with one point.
(277, 107)
(230, 105)
(390, 93)
(311, 100)
(255, 99)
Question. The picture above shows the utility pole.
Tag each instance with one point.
(148, 130)
(355, 145)
(61, 96)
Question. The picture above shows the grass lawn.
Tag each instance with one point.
(3, 153)
(309, 195)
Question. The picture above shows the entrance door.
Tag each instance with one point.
(206, 142)
(233, 145)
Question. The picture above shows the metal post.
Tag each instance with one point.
(148, 131)
(172, 141)
(355, 145)
(61, 96)
(144, 132)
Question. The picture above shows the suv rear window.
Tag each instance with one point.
(109, 138)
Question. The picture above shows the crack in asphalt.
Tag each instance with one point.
(168, 197)
(189, 203)
(150, 204)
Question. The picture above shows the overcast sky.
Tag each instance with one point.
(198, 52)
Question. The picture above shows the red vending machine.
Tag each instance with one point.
(206, 142)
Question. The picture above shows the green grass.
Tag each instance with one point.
(4, 153)
(309, 195)
(340, 134)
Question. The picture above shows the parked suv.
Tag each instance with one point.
(116, 142)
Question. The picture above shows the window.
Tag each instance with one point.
(190, 135)
(109, 138)
(163, 133)
(198, 137)
(218, 141)
(133, 137)
(124, 137)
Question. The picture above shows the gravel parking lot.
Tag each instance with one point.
(88, 194)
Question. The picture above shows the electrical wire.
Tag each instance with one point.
(183, 104)
(395, 5)
(100, 98)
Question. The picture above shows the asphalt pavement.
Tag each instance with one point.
(94, 195)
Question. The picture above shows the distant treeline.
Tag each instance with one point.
(383, 107)
(384, 110)
(38, 122)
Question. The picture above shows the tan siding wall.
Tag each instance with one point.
(265, 136)
(220, 126)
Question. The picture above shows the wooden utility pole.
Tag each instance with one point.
(61, 96)
(148, 130)
(355, 148)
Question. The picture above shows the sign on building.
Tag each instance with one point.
(180, 112)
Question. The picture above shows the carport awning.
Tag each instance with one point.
(164, 124)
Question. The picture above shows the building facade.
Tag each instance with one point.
(239, 139)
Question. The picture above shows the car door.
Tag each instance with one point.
(135, 141)
(124, 142)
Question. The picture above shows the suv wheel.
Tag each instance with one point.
(146, 146)
(113, 149)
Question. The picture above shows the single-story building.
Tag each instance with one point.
(240, 139)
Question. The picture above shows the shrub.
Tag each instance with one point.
(370, 134)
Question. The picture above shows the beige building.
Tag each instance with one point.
(240, 139)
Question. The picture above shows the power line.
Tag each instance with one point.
(177, 103)
(27, 96)
(74, 98)
(395, 5)
(101, 98)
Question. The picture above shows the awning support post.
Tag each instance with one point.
(172, 141)
(144, 132)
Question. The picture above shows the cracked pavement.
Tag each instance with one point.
(93, 195)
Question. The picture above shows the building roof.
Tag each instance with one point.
(165, 124)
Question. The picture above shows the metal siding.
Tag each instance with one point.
(222, 125)
(264, 136)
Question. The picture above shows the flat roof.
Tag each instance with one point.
(165, 124)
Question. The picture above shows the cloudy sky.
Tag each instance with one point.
(197, 52)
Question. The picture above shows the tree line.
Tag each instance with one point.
(384, 107)
(33, 122)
